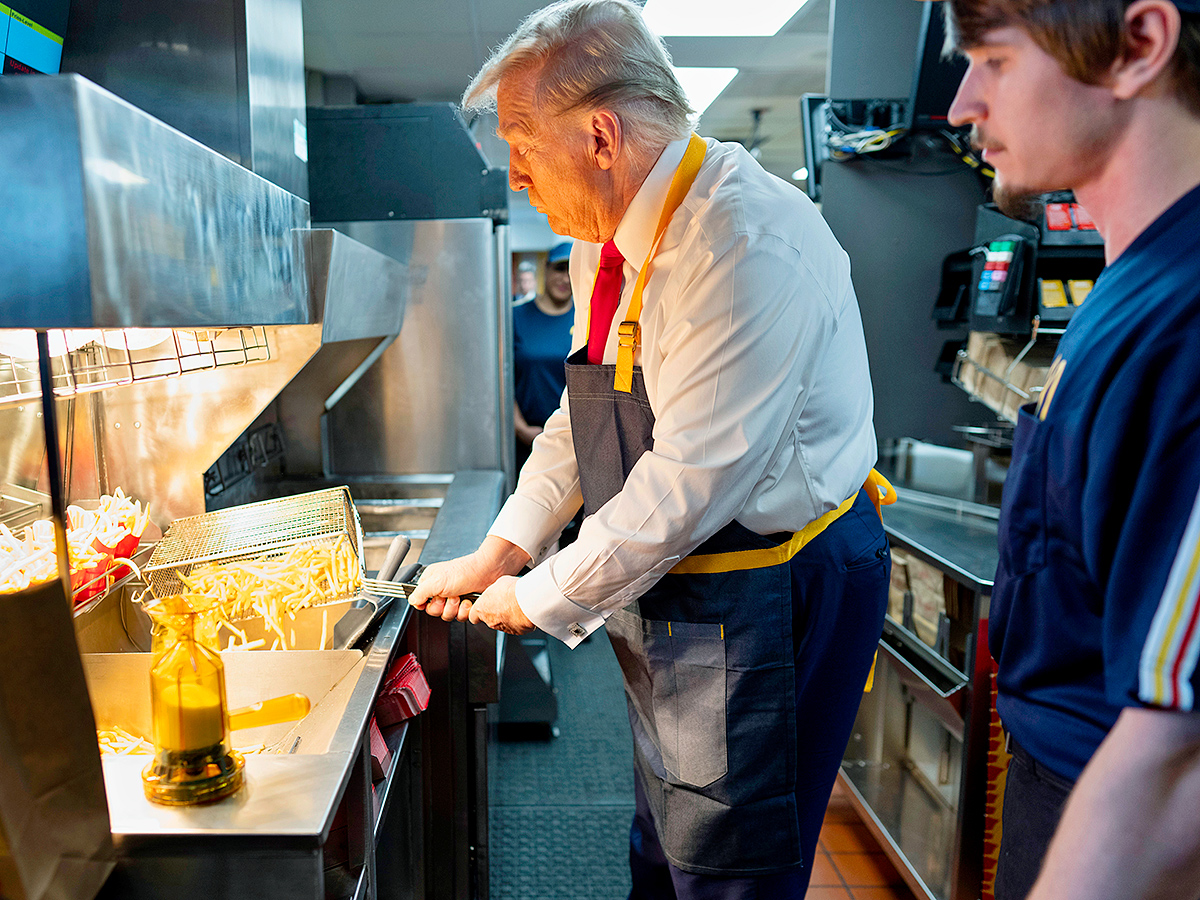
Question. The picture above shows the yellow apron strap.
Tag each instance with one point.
(737, 560)
(629, 333)
(882, 494)
(880, 490)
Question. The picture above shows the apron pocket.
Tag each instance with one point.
(688, 665)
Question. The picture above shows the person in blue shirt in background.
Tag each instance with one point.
(1095, 614)
(541, 343)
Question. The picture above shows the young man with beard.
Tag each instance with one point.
(1095, 616)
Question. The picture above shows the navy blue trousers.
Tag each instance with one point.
(839, 597)
(1034, 796)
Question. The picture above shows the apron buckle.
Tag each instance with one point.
(628, 334)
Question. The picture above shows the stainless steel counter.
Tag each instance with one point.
(956, 536)
(307, 824)
(285, 797)
(272, 839)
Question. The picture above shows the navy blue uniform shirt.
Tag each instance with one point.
(541, 344)
(1097, 595)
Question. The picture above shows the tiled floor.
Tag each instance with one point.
(849, 864)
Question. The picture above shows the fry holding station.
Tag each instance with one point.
(213, 359)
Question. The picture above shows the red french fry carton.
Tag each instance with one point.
(90, 581)
(381, 756)
(125, 549)
(127, 546)
(405, 692)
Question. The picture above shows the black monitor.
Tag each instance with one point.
(935, 80)
(31, 35)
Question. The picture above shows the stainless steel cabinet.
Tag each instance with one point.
(916, 765)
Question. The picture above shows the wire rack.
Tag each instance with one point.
(1011, 381)
(1011, 396)
(20, 506)
(254, 531)
(91, 360)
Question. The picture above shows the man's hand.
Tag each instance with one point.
(442, 584)
(497, 608)
(524, 431)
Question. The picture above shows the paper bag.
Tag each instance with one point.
(55, 841)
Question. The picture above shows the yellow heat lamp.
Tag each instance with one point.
(193, 762)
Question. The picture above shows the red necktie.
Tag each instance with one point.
(606, 295)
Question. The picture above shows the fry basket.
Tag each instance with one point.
(263, 530)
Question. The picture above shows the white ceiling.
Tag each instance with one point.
(428, 50)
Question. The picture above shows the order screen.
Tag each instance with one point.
(31, 35)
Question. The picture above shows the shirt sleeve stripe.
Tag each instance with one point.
(1185, 662)
(1172, 647)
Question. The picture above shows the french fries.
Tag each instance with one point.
(119, 742)
(27, 561)
(98, 542)
(275, 589)
(115, 524)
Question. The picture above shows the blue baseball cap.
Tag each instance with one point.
(559, 252)
(1187, 6)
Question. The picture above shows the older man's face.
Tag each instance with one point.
(549, 158)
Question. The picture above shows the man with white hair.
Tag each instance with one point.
(716, 428)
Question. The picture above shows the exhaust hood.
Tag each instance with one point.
(112, 219)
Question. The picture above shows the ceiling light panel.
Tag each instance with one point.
(703, 85)
(714, 18)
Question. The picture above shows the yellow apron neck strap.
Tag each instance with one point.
(629, 332)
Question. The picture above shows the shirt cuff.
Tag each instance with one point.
(547, 608)
(528, 525)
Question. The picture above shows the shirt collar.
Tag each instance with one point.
(635, 234)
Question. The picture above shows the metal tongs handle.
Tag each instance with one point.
(397, 550)
(382, 588)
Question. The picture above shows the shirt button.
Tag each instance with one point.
(577, 630)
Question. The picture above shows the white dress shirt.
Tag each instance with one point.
(755, 366)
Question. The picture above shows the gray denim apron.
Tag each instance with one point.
(708, 666)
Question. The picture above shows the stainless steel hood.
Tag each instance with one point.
(359, 296)
(356, 306)
(357, 292)
(110, 218)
